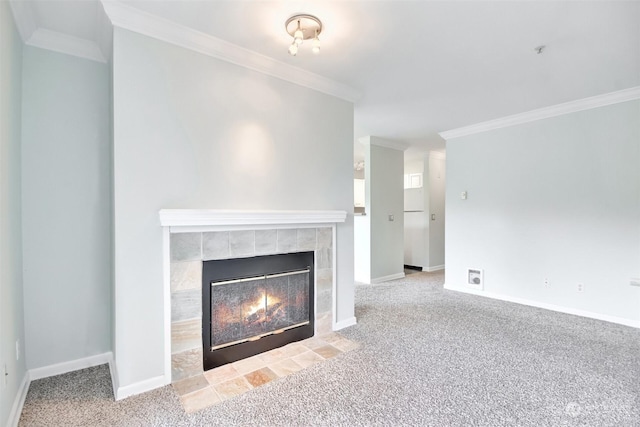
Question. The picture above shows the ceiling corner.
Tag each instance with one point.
(629, 94)
(24, 18)
(67, 44)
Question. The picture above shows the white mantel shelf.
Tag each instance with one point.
(230, 218)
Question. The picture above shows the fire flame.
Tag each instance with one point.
(261, 304)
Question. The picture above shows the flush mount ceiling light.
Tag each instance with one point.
(303, 27)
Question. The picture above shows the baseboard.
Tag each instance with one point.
(140, 387)
(344, 323)
(364, 279)
(18, 403)
(552, 307)
(120, 393)
(50, 371)
(436, 268)
(115, 382)
(387, 278)
(73, 365)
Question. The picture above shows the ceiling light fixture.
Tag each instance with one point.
(303, 27)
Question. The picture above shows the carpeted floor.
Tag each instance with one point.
(428, 357)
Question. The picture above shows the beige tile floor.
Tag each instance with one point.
(231, 380)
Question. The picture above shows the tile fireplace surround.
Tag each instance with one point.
(192, 236)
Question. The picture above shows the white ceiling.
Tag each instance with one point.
(422, 67)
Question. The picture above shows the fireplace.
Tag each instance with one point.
(193, 237)
(252, 305)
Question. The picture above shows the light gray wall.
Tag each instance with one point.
(384, 197)
(436, 183)
(11, 300)
(191, 131)
(66, 207)
(557, 198)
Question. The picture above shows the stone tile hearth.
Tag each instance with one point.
(225, 382)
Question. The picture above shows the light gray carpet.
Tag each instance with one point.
(428, 357)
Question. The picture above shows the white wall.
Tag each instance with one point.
(362, 248)
(11, 299)
(436, 183)
(66, 207)
(191, 131)
(112, 267)
(558, 198)
(383, 197)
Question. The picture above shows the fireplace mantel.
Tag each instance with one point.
(185, 219)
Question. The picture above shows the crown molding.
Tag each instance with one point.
(64, 43)
(381, 142)
(24, 17)
(132, 19)
(547, 112)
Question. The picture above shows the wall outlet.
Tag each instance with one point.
(580, 287)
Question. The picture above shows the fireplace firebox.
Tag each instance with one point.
(252, 305)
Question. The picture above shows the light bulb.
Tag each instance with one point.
(298, 36)
(293, 49)
(315, 45)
